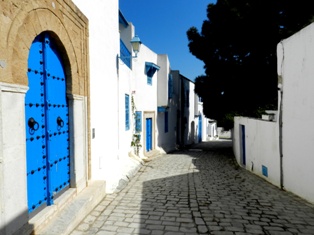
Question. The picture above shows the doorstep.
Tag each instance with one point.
(69, 210)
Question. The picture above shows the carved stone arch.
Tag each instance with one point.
(31, 25)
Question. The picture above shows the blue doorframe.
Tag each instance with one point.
(242, 138)
(149, 136)
(200, 128)
(47, 125)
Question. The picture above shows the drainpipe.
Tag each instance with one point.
(280, 51)
(118, 105)
(280, 139)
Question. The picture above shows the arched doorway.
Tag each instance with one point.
(47, 127)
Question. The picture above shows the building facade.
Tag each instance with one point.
(295, 57)
(191, 124)
(44, 118)
(279, 146)
(77, 111)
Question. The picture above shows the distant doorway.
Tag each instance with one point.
(200, 128)
(149, 139)
(242, 144)
(149, 132)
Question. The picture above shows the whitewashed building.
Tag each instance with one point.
(295, 57)
(191, 124)
(44, 118)
(166, 107)
(100, 102)
(139, 99)
(279, 146)
(125, 95)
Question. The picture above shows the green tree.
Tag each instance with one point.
(237, 44)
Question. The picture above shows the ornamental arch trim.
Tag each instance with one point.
(26, 27)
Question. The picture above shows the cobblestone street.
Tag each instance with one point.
(198, 191)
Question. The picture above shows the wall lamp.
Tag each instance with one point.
(135, 44)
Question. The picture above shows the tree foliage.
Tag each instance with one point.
(237, 44)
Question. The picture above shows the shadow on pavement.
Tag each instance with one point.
(201, 190)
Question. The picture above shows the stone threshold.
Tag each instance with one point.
(67, 212)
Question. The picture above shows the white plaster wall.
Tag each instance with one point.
(125, 87)
(224, 134)
(198, 107)
(126, 34)
(162, 80)
(295, 66)
(13, 188)
(131, 81)
(166, 140)
(192, 120)
(104, 46)
(145, 95)
(205, 123)
(212, 133)
(262, 147)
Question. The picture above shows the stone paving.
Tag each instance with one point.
(198, 192)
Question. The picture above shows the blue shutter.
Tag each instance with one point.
(150, 69)
(149, 80)
(127, 112)
(170, 86)
(125, 54)
(166, 122)
(138, 121)
(150, 74)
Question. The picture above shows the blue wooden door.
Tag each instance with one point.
(243, 153)
(149, 137)
(47, 132)
(200, 128)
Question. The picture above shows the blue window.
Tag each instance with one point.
(125, 54)
(149, 79)
(170, 86)
(166, 122)
(127, 112)
(138, 121)
(150, 69)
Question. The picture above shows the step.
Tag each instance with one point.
(69, 216)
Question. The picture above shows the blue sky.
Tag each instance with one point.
(162, 25)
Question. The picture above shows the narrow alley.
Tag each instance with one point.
(199, 191)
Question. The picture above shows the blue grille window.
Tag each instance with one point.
(138, 121)
(150, 69)
(125, 54)
(127, 112)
